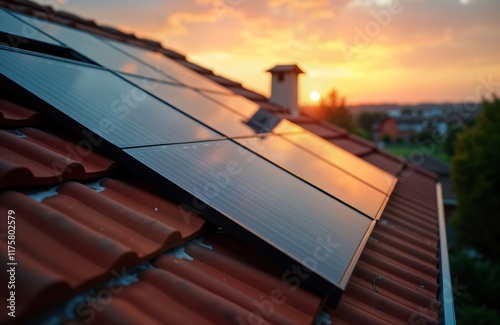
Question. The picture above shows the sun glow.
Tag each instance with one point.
(315, 96)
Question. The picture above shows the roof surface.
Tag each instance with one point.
(286, 68)
(87, 228)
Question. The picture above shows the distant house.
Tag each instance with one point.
(404, 127)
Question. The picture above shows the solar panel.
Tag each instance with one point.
(102, 102)
(279, 208)
(318, 172)
(95, 49)
(12, 25)
(295, 192)
(344, 160)
(171, 68)
(237, 103)
(199, 107)
(287, 127)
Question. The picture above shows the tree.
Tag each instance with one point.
(336, 111)
(477, 288)
(451, 136)
(406, 110)
(367, 119)
(476, 178)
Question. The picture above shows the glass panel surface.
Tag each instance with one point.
(96, 50)
(102, 102)
(318, 172)
(199, 107)
(278, 207)
(12, 25)
(346, 161)
(173, 69)
(236, 103)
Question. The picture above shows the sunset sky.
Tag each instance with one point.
(371, 51)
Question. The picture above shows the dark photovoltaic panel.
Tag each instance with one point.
(319, 173)
(95, 49)
(223, 120)
(289, 188)
(234, 102)
(287, 127)
(171, 68)
(12, 25)
(294, 217)
(345, 161)
(199, 107)
(102, 102)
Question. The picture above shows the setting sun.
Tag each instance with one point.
(315, 96)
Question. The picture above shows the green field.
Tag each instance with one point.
(406, 151)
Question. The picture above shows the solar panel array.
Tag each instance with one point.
(14, 26)
(289, 188)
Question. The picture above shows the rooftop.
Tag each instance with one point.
(89, 227)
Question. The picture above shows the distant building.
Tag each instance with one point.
(404, 127)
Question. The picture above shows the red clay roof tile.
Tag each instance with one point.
(385, 162)
(40, 158)
(352, 146)
(250, 94)
(82, 234)
(12, 114)
(128, 223)
(321, 130)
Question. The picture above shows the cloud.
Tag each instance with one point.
(177, 22)
(443, 40)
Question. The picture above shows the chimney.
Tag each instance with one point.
(285, 87)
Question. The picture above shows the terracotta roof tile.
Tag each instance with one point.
(112, 223)
(322, 130)
(390, 164)
(81, 234)
(354, 147)
(40, 158)
(265, 104)
(203, 283)
(381, 307)
(154, 46)
(250, 94)
(298, 119)
(101, 31)
(16, 115)
(74, 18)
(223, 81)
(195, 67)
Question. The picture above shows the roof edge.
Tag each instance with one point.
(445, 294)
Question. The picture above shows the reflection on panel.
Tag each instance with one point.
(319, 173)
(205, 110)
(95, 49)
(269, 202)
(11, 25)
(346, 161)
(287, 127)
(171, 68)
(237, 103)
(102, 102)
